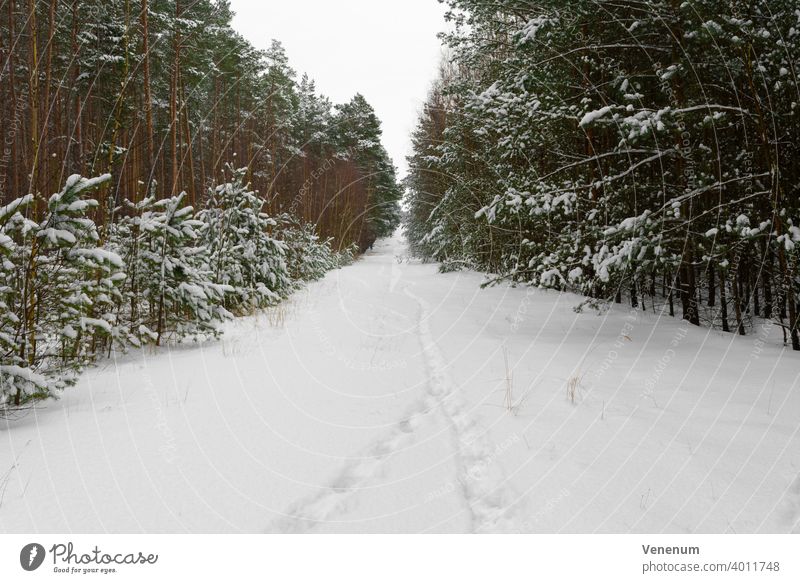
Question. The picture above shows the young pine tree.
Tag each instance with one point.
(243, 256)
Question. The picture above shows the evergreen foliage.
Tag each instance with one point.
(163, 274)
(620, 150)
(243, 255)
(161, 99)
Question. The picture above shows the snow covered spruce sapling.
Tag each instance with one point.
(243, 255)
(17, 380)
(307, 257)
(58, 293)
(79, 290)
(170, 293)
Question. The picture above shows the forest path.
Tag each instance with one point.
(389, 397)
(440, 416)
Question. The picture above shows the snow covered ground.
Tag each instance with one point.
(377, 400)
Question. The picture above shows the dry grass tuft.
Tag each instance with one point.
(574, 387)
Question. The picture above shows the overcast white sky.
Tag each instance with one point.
(384, 49)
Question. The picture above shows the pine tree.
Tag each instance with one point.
(170, 291)
(59, 290)
(595, 149)
(243, 256)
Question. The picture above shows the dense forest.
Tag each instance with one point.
(216, 180)
(642, 152)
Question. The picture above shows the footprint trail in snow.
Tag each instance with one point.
(481, 486)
